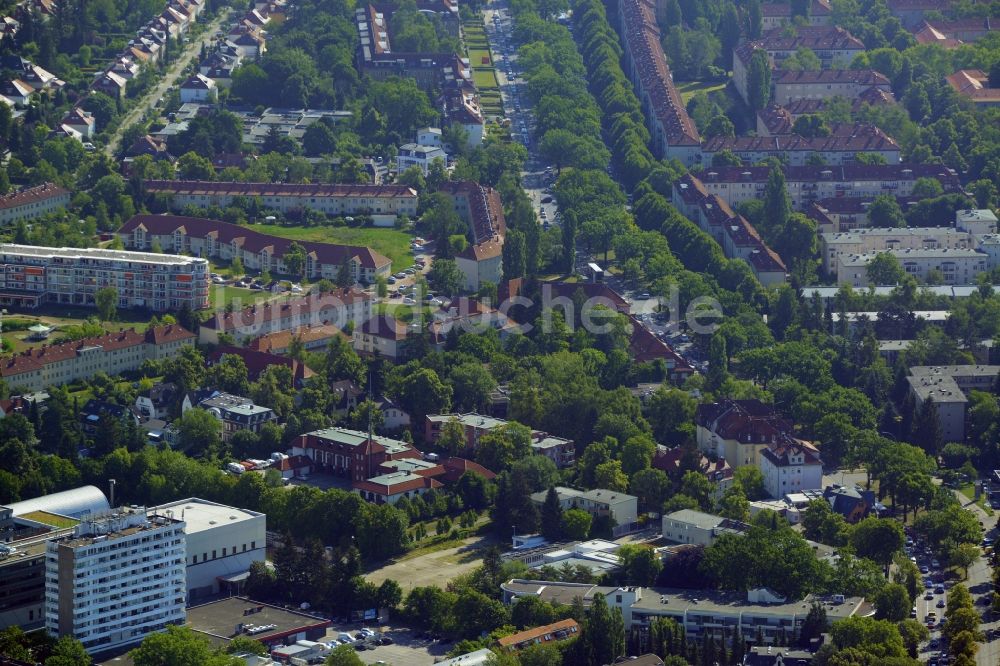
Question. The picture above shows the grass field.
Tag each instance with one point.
(970, 493)
(691, 88)
(484, 79)
(46, 518)
(390, 242)
(219, 295)
(480, 57)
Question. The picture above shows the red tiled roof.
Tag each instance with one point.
(258, 361)
(865, 77)
(845, 173)
(396, 488)
(566, 629)
(486, 219)
(780, 454)
(251, 240)
(748, 421)
(294, 462)
(456, 467)
(865, 139)
(277, 189)
(817, 38)
(31, 195)
(282, 339)
(669, 460)
(642, 38)
(31, 360)
(784, 9)
(645, 347)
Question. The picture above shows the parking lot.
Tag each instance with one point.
(406, 648)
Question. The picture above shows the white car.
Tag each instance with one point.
(409, 301)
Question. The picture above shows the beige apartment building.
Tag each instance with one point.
(867, 240)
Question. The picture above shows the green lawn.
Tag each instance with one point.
(219, 295)
(403, 313)
(689, 89)
(969, 492)
(476, 57)
(485, 79)
(390, 242)
(46, 518)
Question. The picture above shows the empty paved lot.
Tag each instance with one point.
(433, 568)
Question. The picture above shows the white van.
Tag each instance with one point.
(345, 637)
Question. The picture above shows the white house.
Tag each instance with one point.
(198, 88)
(429, 136)
(791, 467)
(413, 154)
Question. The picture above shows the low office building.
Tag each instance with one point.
(116, 579)
(112, 353)
(335, 308)
(790, 467)
(379, 201)
(946, 387)
(32, 202)
(697, 528)
(237, 413)
(415, 155)
(700, 612)
(225, 619)
(834, 150)
(258, 252)
(221, 541)
(350, 453)
(391, 487)
(31, 276)
(951, 267)
(621, 508)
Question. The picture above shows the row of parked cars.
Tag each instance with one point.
(365, 639)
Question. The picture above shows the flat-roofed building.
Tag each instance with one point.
(414, 155)
(947, 387)
(271, 625)
(258, 252)
(32, 202)
(116, 579)
(698, 528)
(953, 266)
(881, 239)
(31, 276)
(221, 544)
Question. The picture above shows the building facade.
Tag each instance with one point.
(236, 413)
(258, 252)
(415, 155)
(621, 508)
(31, 276)
(113, 353)
(32, 202)
(791, 467)
(698, 528)
(116, 579)
(791, 85)
(946, 387)
(951, 267)
(795, 150)
(874, 239)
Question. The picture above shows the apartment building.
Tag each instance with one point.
(460, 104)
(950, 266)
(548, 634)
(599, 502)
(258, 252)
(873, 239)
(739, 430)
(946, 386)
(974, 85)
(236, 413)
(954, 33)
(31, 276)
(778, 119)
(806, 184)
(379, 201)
(335, 308)
(673, 133)
(221, 543)
(791, 466)
(378, 60)
(382, 335)
(698, 528)
(738, 238)
(792, 85)
(481, 209)
(796, 151)
(700, 612)
(112, 353)
(31, 202)
(414, 155)
(561, 451)
(779, 14)
(116, 579)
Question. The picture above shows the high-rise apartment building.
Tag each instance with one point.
(117, 578)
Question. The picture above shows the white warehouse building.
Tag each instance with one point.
(222, 543)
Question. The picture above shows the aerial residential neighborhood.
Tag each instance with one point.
(571, 333)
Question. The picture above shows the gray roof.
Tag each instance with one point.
(705, 521)
(73, 503)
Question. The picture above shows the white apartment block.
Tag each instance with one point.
(956, 267)
(31, 276)
(698, 528)
(412, 154)
(32, 202)
(379, 201)
(113, 353)
(791, 467)
(870, 239)
(806, 184)
(618, 506)
(222, 542)
(258, 252)
(116, 579)
(946, 386)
